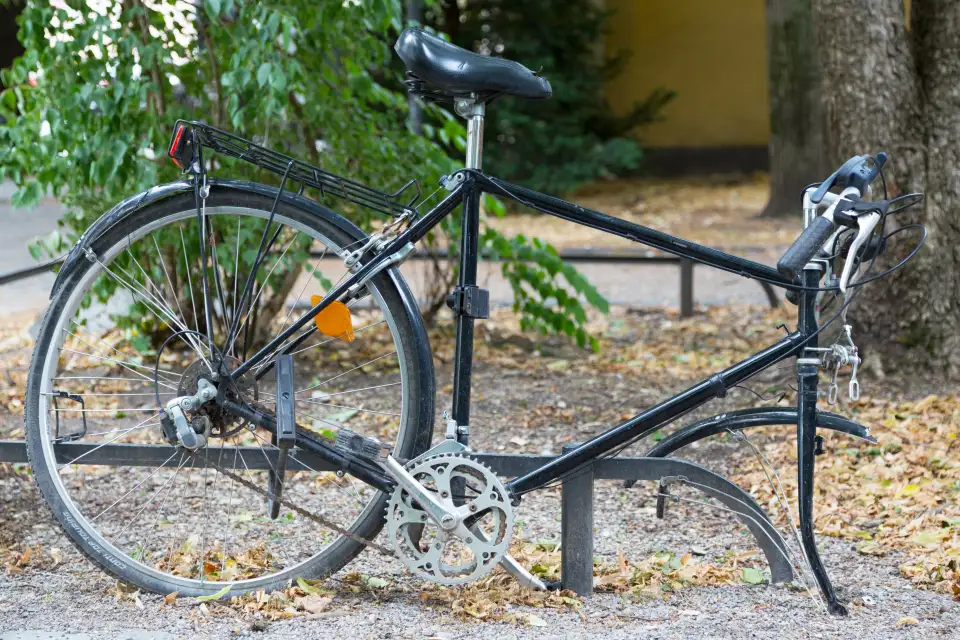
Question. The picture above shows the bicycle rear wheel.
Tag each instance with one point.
(174, 524)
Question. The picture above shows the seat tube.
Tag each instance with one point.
(469, 255)
(808, 444)
(463, 360)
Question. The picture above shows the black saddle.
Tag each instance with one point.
(458, 72)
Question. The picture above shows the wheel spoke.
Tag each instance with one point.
(100, 446)
(320, 384)
(125, 365)
(186, 264)
(169, 374)
(135, 487)
(145, 544)
(340, 406)
(256, 298)
(320, 344)
(152, 306)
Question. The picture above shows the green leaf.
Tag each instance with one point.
(375, 582)
(28, 195)
(263, 74)
(309, 588)
(214, 596)
(751, 575)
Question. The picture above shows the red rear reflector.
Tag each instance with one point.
(175, 146)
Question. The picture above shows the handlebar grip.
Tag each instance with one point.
(805, 247)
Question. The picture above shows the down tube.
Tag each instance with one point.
(639, 426)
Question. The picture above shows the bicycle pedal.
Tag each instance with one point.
(286, 403)
(285, 433)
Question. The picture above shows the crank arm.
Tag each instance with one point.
(446, 518)
(517, 570)
(513, 567)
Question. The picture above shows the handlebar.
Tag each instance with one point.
(846, 209)
(806, 246)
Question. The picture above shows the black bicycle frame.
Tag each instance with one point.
(468, 193)
(471, 185)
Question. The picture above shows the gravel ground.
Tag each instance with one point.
(75, 598)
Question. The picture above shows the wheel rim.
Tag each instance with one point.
(189, 561)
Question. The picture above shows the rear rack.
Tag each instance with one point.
(186, 133)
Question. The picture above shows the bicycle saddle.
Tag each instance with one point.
(458, 71)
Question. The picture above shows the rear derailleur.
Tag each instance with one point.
(192, 434)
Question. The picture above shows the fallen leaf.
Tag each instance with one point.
(928, 537)
(908, 621)
(909, 490)
(342, 416)
(314, 603)
(171, 598)
(870, 548)
(535, 621)
(751, 575)
(309, 588)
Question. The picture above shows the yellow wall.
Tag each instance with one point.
(711, 52)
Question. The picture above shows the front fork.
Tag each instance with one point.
(808, 442)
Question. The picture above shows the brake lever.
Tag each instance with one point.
(865, 224)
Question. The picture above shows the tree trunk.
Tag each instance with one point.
(891, 89)
(796, 122)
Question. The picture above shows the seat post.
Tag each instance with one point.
(473, 111)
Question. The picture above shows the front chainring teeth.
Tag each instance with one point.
(444, 557)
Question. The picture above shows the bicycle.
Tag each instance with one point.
(128, 496)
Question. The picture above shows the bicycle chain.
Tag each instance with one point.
(379, 548)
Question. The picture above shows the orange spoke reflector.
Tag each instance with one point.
(334, 321)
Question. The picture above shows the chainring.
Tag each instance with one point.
(467, 553)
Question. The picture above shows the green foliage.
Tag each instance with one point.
(573, 138)
(549, 303)
(91, 103)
